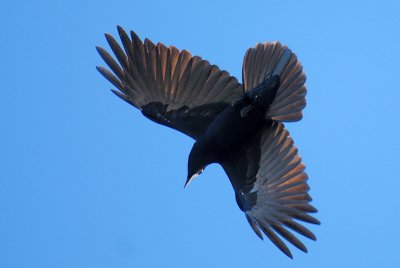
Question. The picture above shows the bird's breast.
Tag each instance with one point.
(229, 129)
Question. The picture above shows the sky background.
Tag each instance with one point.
(87, 181)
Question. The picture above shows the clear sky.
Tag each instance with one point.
(87, 181)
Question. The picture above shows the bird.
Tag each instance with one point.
(237, 125)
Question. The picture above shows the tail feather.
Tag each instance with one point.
(277, 60)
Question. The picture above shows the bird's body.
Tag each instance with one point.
(235, 124)
(239, 126)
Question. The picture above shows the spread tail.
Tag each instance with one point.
(267, 60)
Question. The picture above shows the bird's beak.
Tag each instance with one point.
(189, 179)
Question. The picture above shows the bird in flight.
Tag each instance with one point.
(239, 126)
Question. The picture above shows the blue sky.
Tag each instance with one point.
(87, 181)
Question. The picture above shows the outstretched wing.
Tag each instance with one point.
(169, 86)
(271, 187)
(268, 59)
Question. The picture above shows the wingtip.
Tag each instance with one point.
(102, 52)
(108, 36)
(253, 226)
(287, 252)
(115, 92)
(135, 38)
(102, 70)
(121, 31)
(259, 235)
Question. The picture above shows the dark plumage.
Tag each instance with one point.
(233, 126)
(238, 126)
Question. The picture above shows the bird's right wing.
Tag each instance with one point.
(268, 59)
(169, 86)
(271, 187)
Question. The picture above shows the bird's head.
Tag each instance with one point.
(196, 163)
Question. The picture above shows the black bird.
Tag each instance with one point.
(239, 126)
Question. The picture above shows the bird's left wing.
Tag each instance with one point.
(271, 187)
(169, 86)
